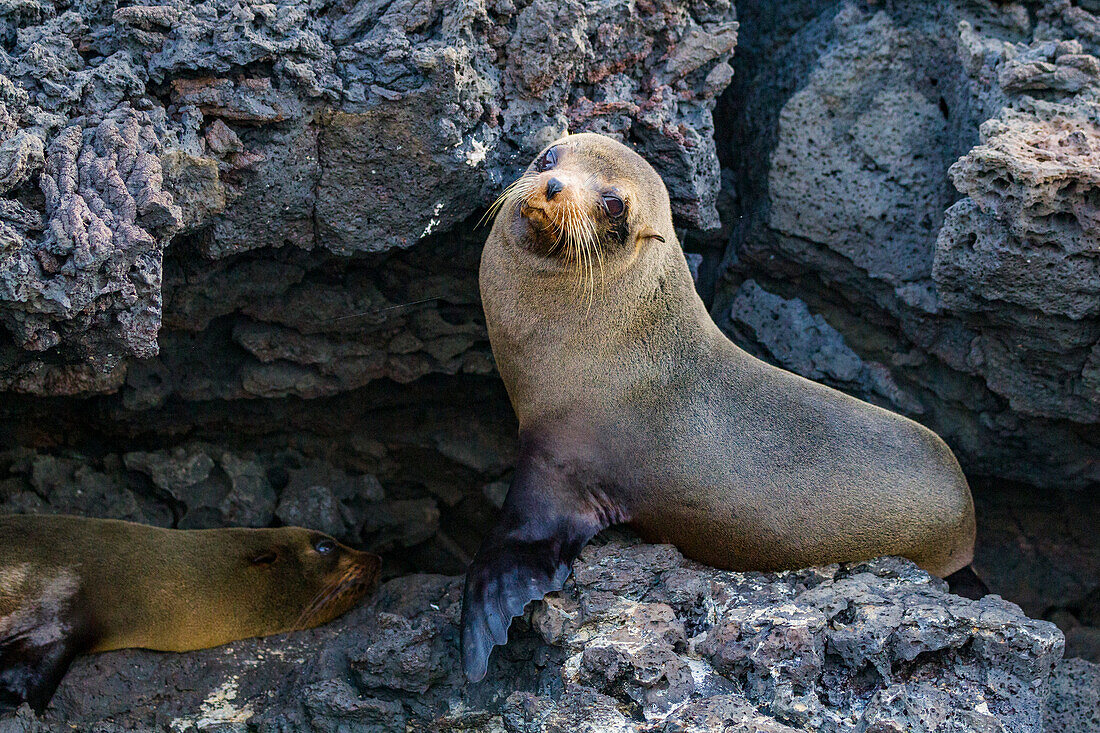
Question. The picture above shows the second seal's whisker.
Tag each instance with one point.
(347, 585)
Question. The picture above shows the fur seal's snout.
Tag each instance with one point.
(558, 204)
(355, 575)
(634, 407)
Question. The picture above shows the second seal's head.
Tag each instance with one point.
(588, 203)
(300, 578)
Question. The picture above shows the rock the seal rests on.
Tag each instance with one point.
(70, 585)
(634, 407)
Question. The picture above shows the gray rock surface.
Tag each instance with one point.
(354, 128)
(1024, 244)
(640, 640)
(804, 342)
(1074, 702)
(922, 177)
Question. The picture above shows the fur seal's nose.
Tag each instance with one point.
(553, 188)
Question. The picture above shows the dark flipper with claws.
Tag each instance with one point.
(32, 663)
(544, 525)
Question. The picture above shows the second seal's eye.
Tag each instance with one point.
(548, 160)
(324, 545)
(614, 205)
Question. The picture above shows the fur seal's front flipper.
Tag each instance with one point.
(33, 662)
(543, 526)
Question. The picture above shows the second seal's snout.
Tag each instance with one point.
(553, 188)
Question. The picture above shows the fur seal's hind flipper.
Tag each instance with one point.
(32, 663)
(543, 526)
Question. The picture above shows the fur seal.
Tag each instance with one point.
(71, 585)
(634, 407)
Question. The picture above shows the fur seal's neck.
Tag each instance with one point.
(639, 314)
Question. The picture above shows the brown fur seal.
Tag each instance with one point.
(70, 585)
(634, 407)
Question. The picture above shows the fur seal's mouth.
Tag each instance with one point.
(538, 216)
(359, 578)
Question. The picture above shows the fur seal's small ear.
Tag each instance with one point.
(266, 558)
(650, 233)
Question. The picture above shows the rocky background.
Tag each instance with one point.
(238, 285)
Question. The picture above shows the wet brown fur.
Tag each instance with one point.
(662, 421)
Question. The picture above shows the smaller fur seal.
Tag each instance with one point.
(634, 407)
(72, 585)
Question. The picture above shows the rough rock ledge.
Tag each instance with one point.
(640, 640)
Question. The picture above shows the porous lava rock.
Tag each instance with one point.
(221, 128)
(922, 177)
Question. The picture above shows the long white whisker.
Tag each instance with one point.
(518, 188)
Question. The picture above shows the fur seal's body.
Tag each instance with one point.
(634, 407)
(70, 585)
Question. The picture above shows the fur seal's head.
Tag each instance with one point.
(310, 577)
(587, 203)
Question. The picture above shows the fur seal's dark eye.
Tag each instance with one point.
(614, 205)
(548, 160)
(324, 545)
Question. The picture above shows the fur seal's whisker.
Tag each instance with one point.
(574, 249)
(585, 247)
(518, 188)
(383, 310)
(567, 215)
(586, 273)
(315, 605)
(347, 584)
(591, 254)
(591, 234)
(566, 226)
(503, 196)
